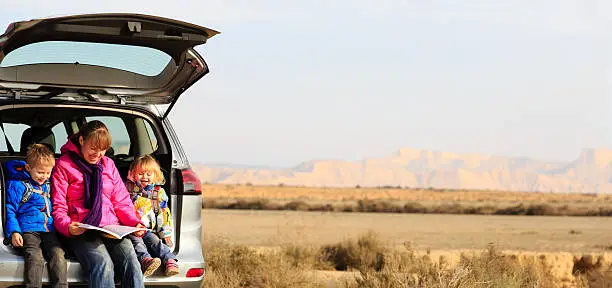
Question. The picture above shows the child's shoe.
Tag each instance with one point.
(172, 267)
(149, 265)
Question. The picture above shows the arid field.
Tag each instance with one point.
(389, 193)
(556, 242)
(397, 200)
(436, 232)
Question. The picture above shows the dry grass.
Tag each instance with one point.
(231, 265)
(382, 206)
(240, 266)
(394, 200)
(395, 194)
(488, 269)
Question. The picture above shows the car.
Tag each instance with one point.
(126, 70)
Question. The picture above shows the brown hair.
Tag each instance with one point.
(39, 154)
(146, 163)
(96, 132)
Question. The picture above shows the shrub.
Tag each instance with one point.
(209, 204)
(259, 204)
(591, 273)
(297, 206)
(490, 269)
(365, 253)
(541, 210)
(240, 266)
(380, 206)
(231, 264)
(413, 207)
(323, 208)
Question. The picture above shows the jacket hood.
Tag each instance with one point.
(71, 146)
(16, 170)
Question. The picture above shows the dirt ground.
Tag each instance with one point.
(423, 231)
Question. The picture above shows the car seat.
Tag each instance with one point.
(35, 134)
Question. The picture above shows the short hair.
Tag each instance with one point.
(96, 132)
(39, 154)
(146, 163)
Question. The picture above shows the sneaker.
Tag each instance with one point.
(172, 267)
(149, 265)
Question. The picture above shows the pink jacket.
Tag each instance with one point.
(68, 199)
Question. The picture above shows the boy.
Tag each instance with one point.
(28, 216)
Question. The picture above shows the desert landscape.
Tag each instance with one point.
(359, 240)
(589, 172)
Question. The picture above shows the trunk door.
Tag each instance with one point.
(116, 58)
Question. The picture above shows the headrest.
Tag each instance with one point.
(35, 135)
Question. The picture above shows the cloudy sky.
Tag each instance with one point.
(293, 81)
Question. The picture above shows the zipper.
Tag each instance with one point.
(45, 209)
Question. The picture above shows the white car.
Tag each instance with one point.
(126, 70)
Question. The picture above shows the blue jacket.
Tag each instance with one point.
(32, 215)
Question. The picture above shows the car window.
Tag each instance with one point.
(13, 133)
(151, 136)
(118, 131)
(137, 59)
(61, 136)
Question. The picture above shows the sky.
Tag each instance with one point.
(293, 81)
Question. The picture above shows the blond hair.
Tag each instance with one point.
(146, 163)
(39, 154)
(96, 133)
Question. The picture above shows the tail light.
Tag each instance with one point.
(195, 272)
(191, 182)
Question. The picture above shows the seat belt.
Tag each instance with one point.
(8, 143)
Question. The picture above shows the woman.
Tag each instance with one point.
(86, 188)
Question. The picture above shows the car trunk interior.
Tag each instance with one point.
(135, 132)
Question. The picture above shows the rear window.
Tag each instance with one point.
(61, 136)
(136, 59)
(116, 127)
(131, 134)
(12, 132)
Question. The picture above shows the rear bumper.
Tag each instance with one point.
(12, 268)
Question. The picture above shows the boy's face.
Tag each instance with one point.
(40, 173)
(144, 177)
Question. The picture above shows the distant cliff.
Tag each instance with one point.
(591, 172)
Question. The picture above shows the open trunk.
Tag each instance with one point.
(117, 58)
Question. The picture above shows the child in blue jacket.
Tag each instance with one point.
(28, 216)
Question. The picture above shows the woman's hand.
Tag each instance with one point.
(75, 230)
(141, 232)
(17, 239)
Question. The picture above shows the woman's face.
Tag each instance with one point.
(91, 154)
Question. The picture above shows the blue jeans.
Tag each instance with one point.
(150, 244)
(102, 257)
